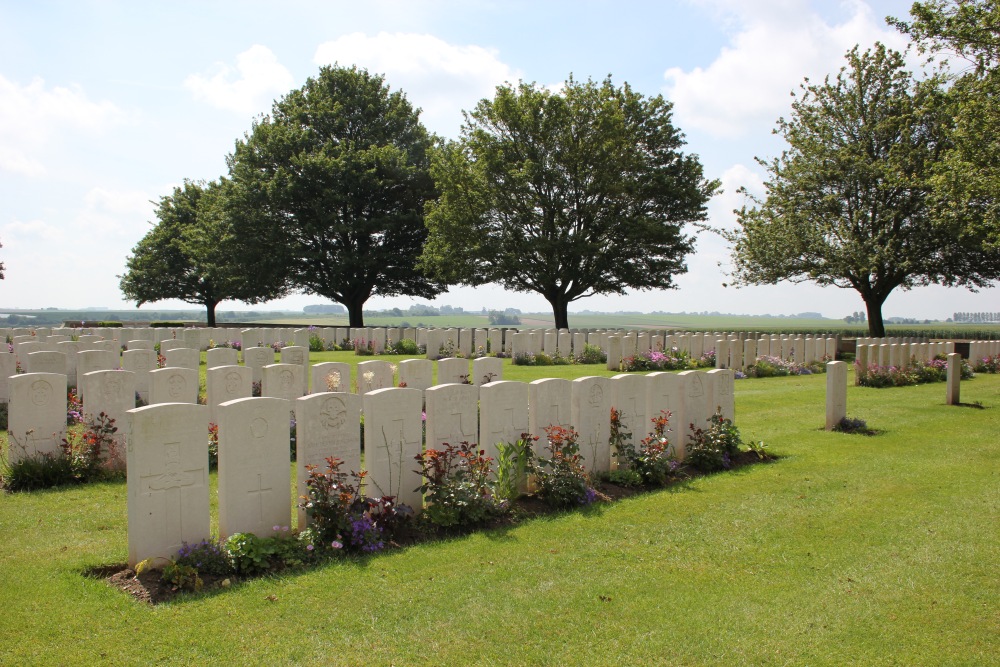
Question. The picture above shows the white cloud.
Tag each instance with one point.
(721, 206)
(32, 115)
(249, 87)
(442, 79)
(108, 211)
(775, 45)
(22, 232)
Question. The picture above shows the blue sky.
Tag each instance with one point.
(107, 105)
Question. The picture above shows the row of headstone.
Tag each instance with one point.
(981, 349)
(900, 355)
(168, 491)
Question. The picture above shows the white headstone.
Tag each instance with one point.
(183, 357)
(393, 438)
(282, 381)
(416, 373)
(226, 383)
(486, 370)
(140, 363)
(36, 417)
(173, 385)
(503, 414)
(628, 395)
(255, 358)
(453, 370)
(254, 485)
(328, 424)
(168, 490)
(221, 356)
(330, 376)
(550, 403)
(373, 375)
(836, 393)
(452, 415)
(591, 417)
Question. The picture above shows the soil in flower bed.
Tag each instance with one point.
(149, 588)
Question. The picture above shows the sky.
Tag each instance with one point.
(106, 105)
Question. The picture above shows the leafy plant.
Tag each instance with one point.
(343, 518)
(513, 463)
(250, 554)
(713, 448)
(562, 480)
(207, 557)
(591, 354)
(213, 446)
(182, 577)
(456, 485)
(404, 346)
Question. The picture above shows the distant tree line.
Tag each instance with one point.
(976, 318)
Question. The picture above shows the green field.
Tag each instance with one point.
(848, 550)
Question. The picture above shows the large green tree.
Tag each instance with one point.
(966, 34)
(566, 194)
(193, 254)
(333, 185)
(848, 202)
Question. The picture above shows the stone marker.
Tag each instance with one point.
(416, 373)
(453, 370)
(226, 383)
(954, 379)
(173, 385)
(836, 393)
(255, 358)
(36, 415)
(222, 356)
(486, 370)
(664, 393)
(372, 375)
(719, 392)
(296, 354)
(183, 357)
(8, 367)
(393, 435)
(327, 424)
(550, 403)
(503, 414)
(591, 417)
(46, 362)
(168, 491)
(254, 486)
(628, 396)
(452, 415)
(282, 381)
(331, 376)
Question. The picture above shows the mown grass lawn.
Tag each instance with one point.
(848, 550)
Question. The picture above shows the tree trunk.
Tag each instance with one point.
(560, 312)
(876, 328)
(355, 311)
(210, 313)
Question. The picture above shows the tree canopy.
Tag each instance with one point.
(848, 202)
(967, 179)
(332, 185)
(566, 194)
(192, 254)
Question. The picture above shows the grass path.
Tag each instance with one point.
(849, 550)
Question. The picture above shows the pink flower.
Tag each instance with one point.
(336, 545)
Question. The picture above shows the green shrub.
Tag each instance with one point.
(456, 487)
(591, 354)
(562, 480)
(405, 346)
(513, 463)
(713, 448)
